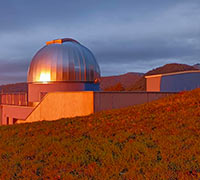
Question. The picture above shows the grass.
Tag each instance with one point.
(157, 140)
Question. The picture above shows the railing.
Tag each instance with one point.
(18, 99)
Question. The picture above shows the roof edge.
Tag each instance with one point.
(173, 73)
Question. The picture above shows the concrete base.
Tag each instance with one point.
(71, 104)
(57, 105)
(37, 91)
(11, 113)
(115, 100)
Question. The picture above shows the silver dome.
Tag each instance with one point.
(63, 60)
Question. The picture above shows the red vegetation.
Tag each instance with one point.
(117, 87)
(125, 80)
(158, 140)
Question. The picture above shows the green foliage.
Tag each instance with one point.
(158, 140)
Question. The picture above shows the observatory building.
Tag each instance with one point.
(63, 81)
(173, 82)
(62, 65)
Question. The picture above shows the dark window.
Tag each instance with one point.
(14, 120)
(7, 120)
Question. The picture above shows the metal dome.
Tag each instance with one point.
(63, 60)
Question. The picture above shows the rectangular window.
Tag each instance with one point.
(7, 120)
(14, 120)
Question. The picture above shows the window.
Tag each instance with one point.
(7, 119)
(14, 120)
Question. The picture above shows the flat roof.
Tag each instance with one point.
(173, 73)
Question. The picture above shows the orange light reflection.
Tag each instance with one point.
(45, 77)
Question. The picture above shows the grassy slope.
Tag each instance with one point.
(159, 140)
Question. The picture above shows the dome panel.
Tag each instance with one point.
(63, 60)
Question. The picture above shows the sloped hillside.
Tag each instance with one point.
(140, 85)
(197, 66)
(124, 80)
(159, 140)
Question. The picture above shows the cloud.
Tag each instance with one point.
(13, 67)
(124, 35)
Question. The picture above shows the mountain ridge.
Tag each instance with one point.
(131, 81)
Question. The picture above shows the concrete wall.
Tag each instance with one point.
(35, 90)
(153, 84)
(11, 112)
(71, 104)
(59, 105)
(115, 100)
(62, 105)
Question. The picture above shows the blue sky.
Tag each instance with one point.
(124, 35)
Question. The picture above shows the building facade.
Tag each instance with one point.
(173, 82)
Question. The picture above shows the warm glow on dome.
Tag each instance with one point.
(45, 77)
(63, 60)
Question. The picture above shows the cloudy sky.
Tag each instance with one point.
(124, 35)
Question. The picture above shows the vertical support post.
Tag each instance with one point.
(6, 98)
(19, 103)
(26, 99)
(10, 120)
(12, 99)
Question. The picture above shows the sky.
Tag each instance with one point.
(124, 35)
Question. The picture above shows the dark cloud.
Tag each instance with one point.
(13, 67)
(12, 79)
(125, 36)
(144, 50)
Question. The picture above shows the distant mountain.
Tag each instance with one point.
(119, 82)
(114, 82)
(131, 81)
(169, 68)
(197, 66)
(11, 88)
(140, 85)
